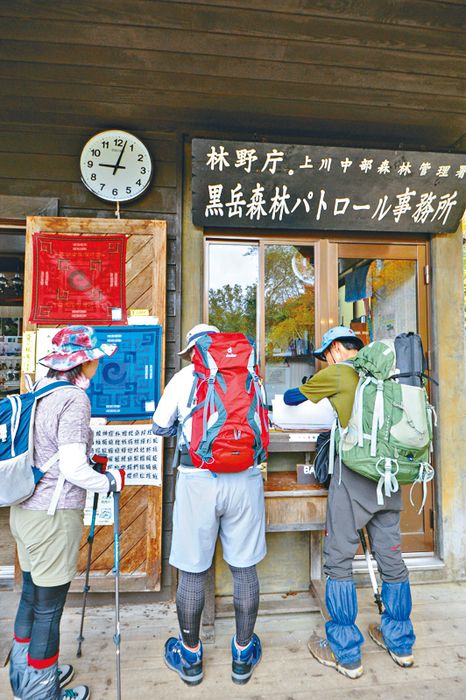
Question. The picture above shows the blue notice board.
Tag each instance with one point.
(127, 385)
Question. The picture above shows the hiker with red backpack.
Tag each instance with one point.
(46, 519)
(355, 498)
(215, 406)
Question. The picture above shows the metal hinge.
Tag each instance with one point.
(427, 274)
(431, 518)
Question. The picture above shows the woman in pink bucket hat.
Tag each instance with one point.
(48, 525)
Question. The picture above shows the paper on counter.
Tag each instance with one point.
(306, 416)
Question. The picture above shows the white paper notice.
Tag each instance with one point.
(117, 314)
(104, 509)
(43, 347)
(134, 448)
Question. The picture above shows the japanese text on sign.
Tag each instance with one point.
(133, 448)
(259, 185)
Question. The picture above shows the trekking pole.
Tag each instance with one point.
(87, 587)
(116, 572)
(377, 598)
(99, 464)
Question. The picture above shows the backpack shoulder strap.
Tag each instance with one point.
(180, 429)
(39, 394)
(50, 388)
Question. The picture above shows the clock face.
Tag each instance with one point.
(116, 166)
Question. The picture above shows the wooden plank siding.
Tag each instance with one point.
(31, 165)
(141, 507)
(342, 69)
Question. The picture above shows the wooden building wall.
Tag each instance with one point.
(43, 161)
(373, 69)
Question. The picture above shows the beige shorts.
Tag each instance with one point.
(48, 546)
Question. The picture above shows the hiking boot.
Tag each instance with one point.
(65, 674)
(186, 663)
(80, 692)
(322, 652)
(375, 633)
(43, 684)
(245, 660)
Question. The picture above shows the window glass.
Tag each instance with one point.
(289, 298)
(233, 279)
(378, 298)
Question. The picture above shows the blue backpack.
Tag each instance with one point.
(18, 475)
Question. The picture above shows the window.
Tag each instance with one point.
(266, 290)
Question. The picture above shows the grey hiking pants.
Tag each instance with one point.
(352, 505)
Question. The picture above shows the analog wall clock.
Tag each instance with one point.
(116, 166)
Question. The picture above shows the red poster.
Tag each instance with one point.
(78, 279)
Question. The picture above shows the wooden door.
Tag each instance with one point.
(141, 506)
(399, 290)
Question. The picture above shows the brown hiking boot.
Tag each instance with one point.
(320, 650)
(376, 634)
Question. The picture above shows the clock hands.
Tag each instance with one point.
(117, 165)
(107, 165)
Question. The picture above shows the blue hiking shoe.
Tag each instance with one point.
(244, 661)
(187, 664)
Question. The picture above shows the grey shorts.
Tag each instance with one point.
(227, 505)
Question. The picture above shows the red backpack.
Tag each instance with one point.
(230, 428)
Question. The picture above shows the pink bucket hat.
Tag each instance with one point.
(74, 345)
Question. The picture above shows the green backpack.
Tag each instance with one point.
(389, 435)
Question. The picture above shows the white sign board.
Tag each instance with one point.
(43, 347)
(134, 448)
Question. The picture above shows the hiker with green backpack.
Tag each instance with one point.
(381, 436)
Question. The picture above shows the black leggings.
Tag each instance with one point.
(190, 598)
(38, 617)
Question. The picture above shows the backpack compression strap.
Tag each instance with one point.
(388, 481)
(426, 474)
(260, 396)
